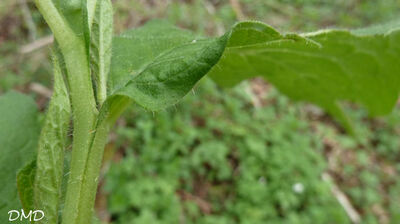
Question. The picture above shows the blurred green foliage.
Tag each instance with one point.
(308, 15)
(217, 159)
(215, 16)
(207, 17)
(369, 168)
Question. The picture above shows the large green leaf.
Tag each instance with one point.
(324, 68)
(157, 65)
(19, 131)
(52, 144)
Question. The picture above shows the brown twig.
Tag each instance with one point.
(204, 206)
(27, 15)
(211, 10)
(237, 9)
(342, 199)
(37, 44)
(254, 99)
(40, 89)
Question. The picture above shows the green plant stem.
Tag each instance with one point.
(92, 170)
(83, 104)
(89, 137)
(91, 175)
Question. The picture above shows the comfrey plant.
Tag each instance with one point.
(96, 76)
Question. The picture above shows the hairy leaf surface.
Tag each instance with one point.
(100, 48)
(157, 65)
(52, 143)
(133, 50)
(19, 131)
(172, 74)
(324, 67)
(72, 11)
(25, 180)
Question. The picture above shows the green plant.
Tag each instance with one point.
(172, 159)
(155, 66)
(217, 159)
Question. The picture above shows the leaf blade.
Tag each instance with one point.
(359, 66)
(19, 131)
(52, 143)
(323, 68)
(173, 74)
(134, 49)
(100, 48)
(25, 180)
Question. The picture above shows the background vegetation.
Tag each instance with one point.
(245, 155)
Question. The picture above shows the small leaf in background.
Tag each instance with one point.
(52, 144)
(19, 131)
(25, 180)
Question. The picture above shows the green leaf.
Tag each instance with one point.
(100, 48)
(19, 131)
(378, 28)
(25, 180)
(133, 50)
(52, 144)
(91, 6)
(324, 67)
(76, 15)
(72, 11)
(156, 65)
(173, 74)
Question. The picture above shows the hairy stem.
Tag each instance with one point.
(93, 165)
(91, 175)
(90, 130)
(83, 104)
